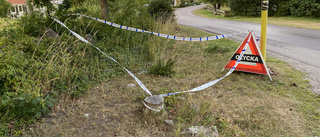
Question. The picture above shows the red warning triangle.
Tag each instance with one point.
(252, 60)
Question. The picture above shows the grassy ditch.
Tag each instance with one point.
(298, 22)
(242, 104)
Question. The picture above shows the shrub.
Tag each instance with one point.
(245, 7)
(4, 8)
(305, 8)
(197, 2)
(161, 9)
(21, 98)
(34, 23)
(279, 8)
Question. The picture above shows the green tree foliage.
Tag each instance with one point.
(294, 8)
(63, 8)
(4, 8)
(217, 3)
(161, 8)
(277, 7)
(245, 7)
(45, 3)
(184, 3)
(304, 7)
(77, 2)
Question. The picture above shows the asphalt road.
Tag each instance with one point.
(300, 47)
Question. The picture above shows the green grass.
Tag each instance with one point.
(299, 22)
(242, 104)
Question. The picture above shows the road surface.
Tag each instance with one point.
(300, 47)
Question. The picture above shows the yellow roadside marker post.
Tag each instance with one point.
(264, 21)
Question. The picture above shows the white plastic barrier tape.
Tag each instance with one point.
(159, 34)
(202, 87)
(206, 85)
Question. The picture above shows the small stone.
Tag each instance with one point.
(169, 122)
(90, 38)
(86, 115)
(51, 33)
(194, 130)
(131, 85)
(206, 131)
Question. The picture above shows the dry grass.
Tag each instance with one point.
(240, 105)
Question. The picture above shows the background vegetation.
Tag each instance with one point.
(4, 8)
(298, 8)
(161, 9)
(290, 21)
(37, 69)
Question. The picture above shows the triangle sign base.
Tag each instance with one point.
(251, 61)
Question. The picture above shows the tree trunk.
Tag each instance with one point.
(104, 9)
(215, 6)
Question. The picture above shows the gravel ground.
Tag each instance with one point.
(313, 73)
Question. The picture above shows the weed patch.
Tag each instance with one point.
(163, 69)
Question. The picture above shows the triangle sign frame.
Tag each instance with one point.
(252, 61)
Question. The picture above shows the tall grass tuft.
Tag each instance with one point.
(163, 69)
